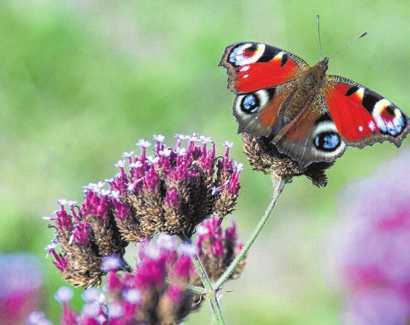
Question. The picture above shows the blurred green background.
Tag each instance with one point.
(81, 81)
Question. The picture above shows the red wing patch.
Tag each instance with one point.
(354, 123)
(257, 76)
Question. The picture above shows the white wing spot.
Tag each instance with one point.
(372, 126)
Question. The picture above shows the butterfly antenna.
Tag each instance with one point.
(318, 34)
(348, 44)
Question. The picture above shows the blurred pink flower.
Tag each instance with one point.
(21, 280)
(372, 244)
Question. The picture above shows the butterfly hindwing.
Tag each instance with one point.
(312, 136)
(261, 112)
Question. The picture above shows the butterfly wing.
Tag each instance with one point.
(311, 136)
(261, 75)
(363, 117)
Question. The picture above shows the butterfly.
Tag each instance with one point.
(308, 115)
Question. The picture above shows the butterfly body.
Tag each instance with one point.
(308, 115)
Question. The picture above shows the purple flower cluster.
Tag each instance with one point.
(176, 189)
(159, 292)
(373, 247)
(217, 249)
(170, 192)
(86, 237)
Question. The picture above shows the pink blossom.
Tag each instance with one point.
(372, 249)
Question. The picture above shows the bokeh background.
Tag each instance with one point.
(82, 81)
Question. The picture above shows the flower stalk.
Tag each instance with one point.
(279, 185)
(212, 289)
(210, 292)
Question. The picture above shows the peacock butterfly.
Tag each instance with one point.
(308, 115)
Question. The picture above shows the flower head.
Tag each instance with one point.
(172, 191)
(86, 236)
(218, 248)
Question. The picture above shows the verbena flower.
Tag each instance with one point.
(159, 290)
(176, 189)
(217, 250)
(86, 236)
(170, 191)
(372, 250)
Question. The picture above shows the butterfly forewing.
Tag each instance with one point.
(253, 66)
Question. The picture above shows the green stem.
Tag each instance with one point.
(210, 292)
(279, 184)
(198, 290)
(211, 289)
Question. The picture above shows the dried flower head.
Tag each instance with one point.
(171, 192)
(264, 156)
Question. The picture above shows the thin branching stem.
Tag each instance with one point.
(195, 289)
(279, 184)
(210, 292)
(211, 289)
